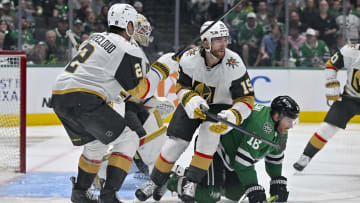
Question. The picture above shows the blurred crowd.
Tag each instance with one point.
(316, 27)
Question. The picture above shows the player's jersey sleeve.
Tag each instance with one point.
(129, 69)
(273, 163)
(343, 58)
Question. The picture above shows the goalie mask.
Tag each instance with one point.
(143, 27)
(219, 29)
(120, 15)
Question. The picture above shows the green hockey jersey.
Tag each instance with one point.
(240, 152)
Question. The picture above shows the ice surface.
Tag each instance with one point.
(333, 176)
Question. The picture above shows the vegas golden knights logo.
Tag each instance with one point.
(205, 91)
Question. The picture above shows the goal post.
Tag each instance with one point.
(13, 111)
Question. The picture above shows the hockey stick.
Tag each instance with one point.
(152, 136)
(280, 146)
(181, 51)
(270, 199)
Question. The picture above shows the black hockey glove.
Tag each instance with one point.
(278, 187)
(256, 194)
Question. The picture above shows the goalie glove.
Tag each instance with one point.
(278, 188)
(230, 115)
(165, 65)
(162, 104)
(332, 90)
(192, 102)
(256, 194)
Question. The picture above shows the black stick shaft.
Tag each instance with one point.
(215, 117)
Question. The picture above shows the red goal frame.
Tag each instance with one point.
(22, 115)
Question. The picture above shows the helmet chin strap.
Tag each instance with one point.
(208, 50)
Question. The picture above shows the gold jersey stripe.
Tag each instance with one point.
(246, 99)
(201, 162)
(88, 166)
(78, 90)
(328, 64)
(120, 162)
(141, 89)
(179, 87)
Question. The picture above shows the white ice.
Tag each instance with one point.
(333, 176)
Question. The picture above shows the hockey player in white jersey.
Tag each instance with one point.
(345, 106)
(143, 117)
(105, 64)
(216, 78)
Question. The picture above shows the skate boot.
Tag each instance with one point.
(109, 196)
(82, 196)
(188, 191)
(150, 189)
(302, 162)
(159, 192)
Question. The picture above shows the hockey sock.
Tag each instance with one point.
(118, 167)
(315, 144)
(87, 170)
(198, 167)
(161, 171)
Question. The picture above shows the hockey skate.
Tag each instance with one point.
(82, 196)
(109, 196)
(188, 191)
(302, 162)
(151, 189)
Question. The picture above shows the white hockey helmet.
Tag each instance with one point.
(120, 15)
(219, 29)
(143, 27)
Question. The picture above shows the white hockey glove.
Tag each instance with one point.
(332, 90)
(192, 107)
(230, 115)
(162, 104)
(165, 65)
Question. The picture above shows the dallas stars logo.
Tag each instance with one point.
(232, 62)
(267, 128)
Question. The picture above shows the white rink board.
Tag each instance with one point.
(305, 86)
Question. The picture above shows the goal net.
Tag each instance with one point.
(13, 111)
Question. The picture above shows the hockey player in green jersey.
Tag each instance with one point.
(232, 173)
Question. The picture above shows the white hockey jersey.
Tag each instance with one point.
(225, 83)
(349, 58)
(105, 64)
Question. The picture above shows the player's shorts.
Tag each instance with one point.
(183, 127)
(87, 117)
(342, 111)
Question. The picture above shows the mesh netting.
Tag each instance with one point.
(10, 112)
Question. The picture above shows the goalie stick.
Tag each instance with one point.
(181, 51)
(269, 142)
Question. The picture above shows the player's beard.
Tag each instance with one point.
(218, 53)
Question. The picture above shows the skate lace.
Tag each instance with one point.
(189, 189)
(148, 188)
(92, 196)
(304, 160)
